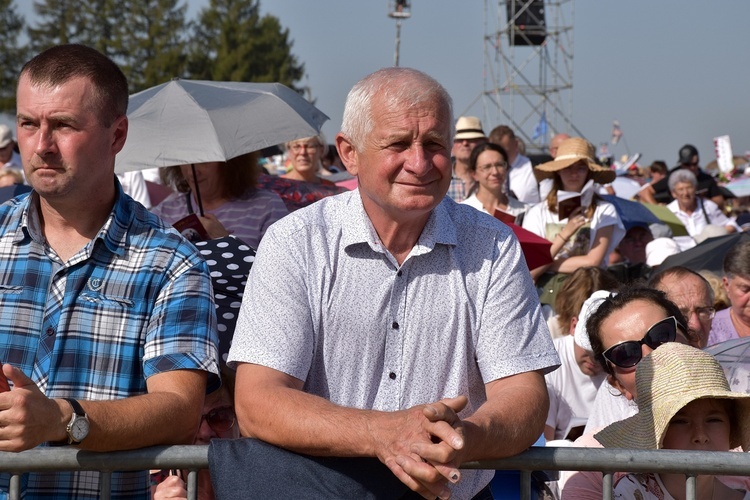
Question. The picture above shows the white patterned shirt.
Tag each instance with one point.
(326, 303)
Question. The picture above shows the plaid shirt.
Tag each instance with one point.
(135, 301)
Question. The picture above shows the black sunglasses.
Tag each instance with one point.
(220, 419)
(629, 353)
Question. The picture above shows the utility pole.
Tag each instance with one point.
(398, 10)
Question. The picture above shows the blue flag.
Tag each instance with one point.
(541, 128)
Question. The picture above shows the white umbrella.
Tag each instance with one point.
(190, 121)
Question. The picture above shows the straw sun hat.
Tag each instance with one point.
(669, 378)
(571, 151)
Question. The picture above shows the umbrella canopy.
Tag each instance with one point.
(632, 213)
(192, 121)
(535, 249)
(707, 255)
(229, 260)
(734, 357)
(739, 187)
(666, 216)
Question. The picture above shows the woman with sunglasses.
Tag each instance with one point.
(218, 422)
(488, 166)
(625, 328)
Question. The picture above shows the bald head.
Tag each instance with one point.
(555, 142)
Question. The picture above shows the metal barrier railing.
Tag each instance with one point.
(194, 458)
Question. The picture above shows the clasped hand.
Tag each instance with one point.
(27, 416)
(423, 446)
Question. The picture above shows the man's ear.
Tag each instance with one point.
(120, 129)
(347, 153)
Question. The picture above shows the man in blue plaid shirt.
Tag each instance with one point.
(108, 323)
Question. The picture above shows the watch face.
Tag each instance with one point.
(79, 429)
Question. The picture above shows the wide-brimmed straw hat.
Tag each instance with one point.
(571, 151)
(469, 127)
(667, 380)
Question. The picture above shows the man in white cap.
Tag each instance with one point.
(8, 156)
(469, 134)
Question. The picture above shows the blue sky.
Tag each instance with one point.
(671, 72)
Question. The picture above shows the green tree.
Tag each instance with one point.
(13, 55)
(152, 42)
(59, 23)
(232, 42)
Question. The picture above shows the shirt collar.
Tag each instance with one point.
(357, 227)
(113, 233)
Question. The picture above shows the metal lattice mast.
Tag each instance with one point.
(529, 69)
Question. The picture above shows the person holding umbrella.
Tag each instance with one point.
(224, 196)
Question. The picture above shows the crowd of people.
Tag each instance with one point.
(387, 334)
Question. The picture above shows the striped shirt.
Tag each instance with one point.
(134, 302)
(246, 218)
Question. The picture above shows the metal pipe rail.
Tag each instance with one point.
(193, 458)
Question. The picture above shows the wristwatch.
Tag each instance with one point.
(78, 427)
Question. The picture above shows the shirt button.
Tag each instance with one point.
(394, 325)
(399, 273)
(50, 331)
(392, 376)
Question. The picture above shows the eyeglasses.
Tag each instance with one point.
(704, 313)
(220, 419)
(629, 353)
(493, 166)
(299, 147)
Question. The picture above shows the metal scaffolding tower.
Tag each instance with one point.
(528, 75)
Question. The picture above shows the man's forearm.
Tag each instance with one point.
(168, 414)
(510, 421)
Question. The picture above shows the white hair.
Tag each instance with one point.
(682, 175)
(402, 87)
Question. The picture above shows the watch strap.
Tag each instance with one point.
(78, 412)
(77, 408)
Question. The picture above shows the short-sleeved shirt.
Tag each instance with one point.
(327, 304)
(522, 182)
(134, 302)
(540, 220)
(722, 328)
(246, 217)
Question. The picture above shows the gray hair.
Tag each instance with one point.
(737, 260)
(682, 175)
(403, 87)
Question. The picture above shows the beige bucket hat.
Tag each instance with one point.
(667, 380)
(571, 151)
(469, 127)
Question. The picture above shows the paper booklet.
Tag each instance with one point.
(568, 201)
(191, 228)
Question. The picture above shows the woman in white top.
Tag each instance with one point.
(574, 172)
(693, 211)
(488, 166)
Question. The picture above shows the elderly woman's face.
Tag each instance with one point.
(631, 322)
(305, 155)
(738, 291)
(684, 193)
